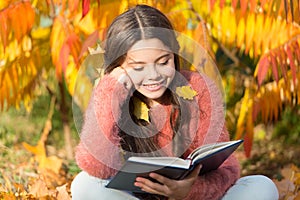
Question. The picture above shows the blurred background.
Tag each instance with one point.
(255, 45)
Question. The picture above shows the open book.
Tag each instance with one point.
(211, 156)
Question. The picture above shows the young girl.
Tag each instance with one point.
(137, 109)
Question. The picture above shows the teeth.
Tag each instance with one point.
(152, 85)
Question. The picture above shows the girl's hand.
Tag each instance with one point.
(174, 189)
(122, 76)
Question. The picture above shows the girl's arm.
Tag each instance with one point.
(99, 152)
(211, 129)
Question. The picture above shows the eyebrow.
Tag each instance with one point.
(142, 62)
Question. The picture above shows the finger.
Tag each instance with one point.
(162, 179)
(149, 186)
(130, 82)
(148, 189)
(195, 171)
(126, 81)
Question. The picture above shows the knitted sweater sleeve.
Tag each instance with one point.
(211, 128)
(98, 152)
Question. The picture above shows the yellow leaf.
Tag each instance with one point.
(250, 27)
(40, 33)
(140, 109)
(243, 115)
(71, 75)
(98, 49)
(258, 34)
(186, 92)
(57, 38)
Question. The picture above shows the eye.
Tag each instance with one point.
(164, 63)
(138, 68)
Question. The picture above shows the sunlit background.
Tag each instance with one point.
(254, 43)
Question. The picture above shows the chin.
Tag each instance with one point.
(154, 95)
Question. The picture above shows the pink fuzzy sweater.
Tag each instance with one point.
(98, 152)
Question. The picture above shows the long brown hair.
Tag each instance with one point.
(141, 22)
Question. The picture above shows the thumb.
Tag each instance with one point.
(195, 171)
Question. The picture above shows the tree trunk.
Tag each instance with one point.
(64, 109)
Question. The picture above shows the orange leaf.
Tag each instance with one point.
(248, 140)
(253, 5)
(75, 46)
(62, 193)
(3, 28)
(15, 23)
(64, 56)
(30, 15)
(39, 189)
(73, 5)
(14, 79)
(20, 11)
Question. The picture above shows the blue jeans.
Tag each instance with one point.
(256, 187)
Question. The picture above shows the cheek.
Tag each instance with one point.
(167, 72)
(137, 77)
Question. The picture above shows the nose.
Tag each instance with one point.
(152, 72)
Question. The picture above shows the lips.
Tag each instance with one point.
(153, 86)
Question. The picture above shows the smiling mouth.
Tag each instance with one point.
(154, 86)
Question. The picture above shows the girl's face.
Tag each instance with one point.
(150, 65)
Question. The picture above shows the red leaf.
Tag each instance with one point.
(234, 3)
(75, 46)
(89, 42)
(262, 3)
(243, 6)
(252, 5)
(73, 5)
(292, 64)
(274, 67)
(297, 50)
(212, 3)
(283, 64)
(222, 3)
(248, 139)
(256, 109)
(263, 67)
(64, 56)
(85, 7)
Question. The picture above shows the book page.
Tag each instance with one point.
(209, 149)
(163, 161)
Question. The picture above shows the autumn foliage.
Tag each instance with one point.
(260, 40)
